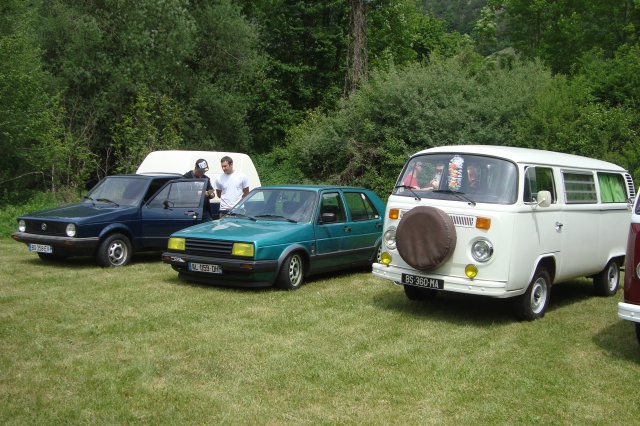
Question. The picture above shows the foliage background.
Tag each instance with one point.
(89, 87)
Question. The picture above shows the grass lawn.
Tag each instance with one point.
(135, 345)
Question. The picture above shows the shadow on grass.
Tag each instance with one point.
(459, 308)
(308, 281)
(90, 261)
(619, 340)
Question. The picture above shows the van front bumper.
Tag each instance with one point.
(451, 283)
(629, 312)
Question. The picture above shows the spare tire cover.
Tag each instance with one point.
(426, 237)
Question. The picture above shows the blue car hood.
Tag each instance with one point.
(266, 231)
(82, 211)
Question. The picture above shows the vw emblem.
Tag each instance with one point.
(44, 226)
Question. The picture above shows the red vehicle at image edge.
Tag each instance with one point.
(630, 308)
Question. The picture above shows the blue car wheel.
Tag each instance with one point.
(114, 251)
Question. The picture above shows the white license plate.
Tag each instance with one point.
(205, 267)
(40, 248)
(423, 281)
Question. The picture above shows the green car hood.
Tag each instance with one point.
(264, 232)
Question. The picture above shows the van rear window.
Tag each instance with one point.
(612, 188)
(579, 188)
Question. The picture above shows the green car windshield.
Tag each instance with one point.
(277, 204)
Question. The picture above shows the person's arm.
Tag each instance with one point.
(218, 193)
(245, 191)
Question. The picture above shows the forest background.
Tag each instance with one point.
(89, 87)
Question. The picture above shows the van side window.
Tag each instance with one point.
(612, 188)
(579, 187)
(538, 179)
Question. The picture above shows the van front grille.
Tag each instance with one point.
(463, 221)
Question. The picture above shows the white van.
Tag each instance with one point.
(177, 161)
(505, 222)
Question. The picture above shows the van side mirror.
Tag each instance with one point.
(543, 198)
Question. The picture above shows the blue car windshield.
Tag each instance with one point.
(462, 177)
(277, 204)
(117, 191)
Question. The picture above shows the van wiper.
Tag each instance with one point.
(460, 195)
(86, 197)
(106, 200)
(410, 189)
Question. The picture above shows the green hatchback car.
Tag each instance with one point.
(278, 235)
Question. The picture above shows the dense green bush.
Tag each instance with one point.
(460, 100)
(32, 202)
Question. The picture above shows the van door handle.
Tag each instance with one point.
(194, 214)
(347, 229)
(559, 226)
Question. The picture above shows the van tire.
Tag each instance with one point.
(606, 283)
(417, 293)
(638, 331)
(426, 238)
(533, 303)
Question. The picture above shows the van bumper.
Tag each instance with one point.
(629, 312)
(455, 284)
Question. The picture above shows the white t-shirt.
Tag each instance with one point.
(231, 187)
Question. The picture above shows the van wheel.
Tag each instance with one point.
(606, 282)
(637, 331)
(533, 303)
(417, 293)
(292, 272)
(115, 250)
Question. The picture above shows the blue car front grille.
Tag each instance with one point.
(206, 247)
(45, 227)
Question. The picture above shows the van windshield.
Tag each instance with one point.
(447, 176)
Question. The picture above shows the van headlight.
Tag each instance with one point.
(389, 238)
(482, 250)
(22, 225)
(71, 230)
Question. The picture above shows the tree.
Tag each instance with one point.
(27, 111)
(197, 57)
(560, 32)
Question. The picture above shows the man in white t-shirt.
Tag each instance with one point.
(231, 186)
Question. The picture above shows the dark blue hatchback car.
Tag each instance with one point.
(121, 215)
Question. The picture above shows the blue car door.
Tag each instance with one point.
(178, 205)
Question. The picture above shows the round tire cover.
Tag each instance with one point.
(426, 237)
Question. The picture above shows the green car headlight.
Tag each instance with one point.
(242, 249)
(176, 243)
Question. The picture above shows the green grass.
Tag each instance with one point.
(135, 345)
